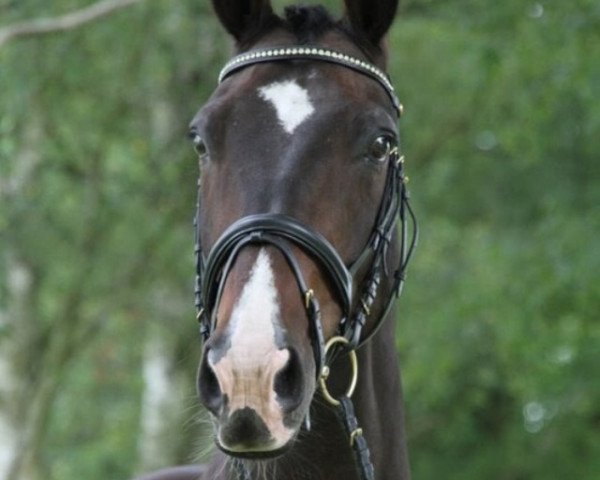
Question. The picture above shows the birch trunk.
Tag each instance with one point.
(17, 314)
(161, 404)
(13, 318)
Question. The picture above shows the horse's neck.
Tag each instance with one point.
(379, 405)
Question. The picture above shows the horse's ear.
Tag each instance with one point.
(371, 18)
(241, 16)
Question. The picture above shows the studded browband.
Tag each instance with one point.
(312, 53)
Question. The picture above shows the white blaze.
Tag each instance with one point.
(254, 315)
(247, 370)
(291, 103)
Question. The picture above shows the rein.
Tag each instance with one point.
(282, 231)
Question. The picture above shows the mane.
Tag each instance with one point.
(308, 23)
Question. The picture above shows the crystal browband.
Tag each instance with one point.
(312, 53)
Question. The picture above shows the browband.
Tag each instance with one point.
(312, 53)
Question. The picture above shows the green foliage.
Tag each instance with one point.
(498, 327)
(498, 330)
(97, 119)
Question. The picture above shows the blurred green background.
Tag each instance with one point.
(498, 327)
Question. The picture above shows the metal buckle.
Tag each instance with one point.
(355, 434)
(308, 297)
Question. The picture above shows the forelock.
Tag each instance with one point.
(308, 23)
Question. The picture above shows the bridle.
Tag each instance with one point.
(283, 232)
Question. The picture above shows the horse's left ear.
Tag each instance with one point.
(371, 18)
(240, 17)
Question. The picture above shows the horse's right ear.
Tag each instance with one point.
(239, 17)
(371, 18)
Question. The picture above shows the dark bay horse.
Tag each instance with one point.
(299, 255)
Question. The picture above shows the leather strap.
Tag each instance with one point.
(313, 243)
(312, 53)
(358, 442)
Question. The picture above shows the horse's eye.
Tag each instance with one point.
(199, 145)
(380, 149)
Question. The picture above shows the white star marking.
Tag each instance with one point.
(291, 103)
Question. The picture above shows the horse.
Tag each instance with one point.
(299, 258)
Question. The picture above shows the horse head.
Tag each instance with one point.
(301, 182)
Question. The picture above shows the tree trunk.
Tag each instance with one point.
(13, 320)
(160, 404)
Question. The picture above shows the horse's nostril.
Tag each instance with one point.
(288, 383)
(208, 386)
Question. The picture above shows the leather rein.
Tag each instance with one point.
(283, 232)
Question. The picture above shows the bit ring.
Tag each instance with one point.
(325, 372)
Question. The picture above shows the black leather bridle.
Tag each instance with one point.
(283, 232)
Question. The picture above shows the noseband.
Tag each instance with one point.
(282, 232)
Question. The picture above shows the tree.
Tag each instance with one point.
(498, 326)
(93, 226)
